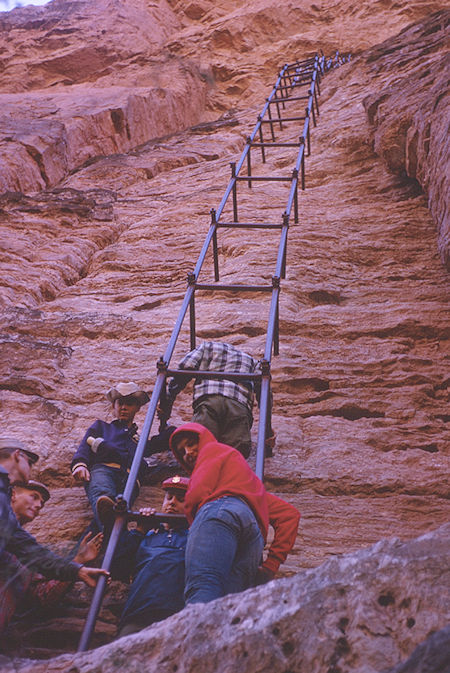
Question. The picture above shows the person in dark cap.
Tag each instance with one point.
(155, 560)
(29, 591)
(103, 458)
(27, 499)
(16, 462)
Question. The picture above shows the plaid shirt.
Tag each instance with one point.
(220, 357)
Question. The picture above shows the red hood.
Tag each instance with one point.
(204, 437)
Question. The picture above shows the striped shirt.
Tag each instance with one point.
(220, 357)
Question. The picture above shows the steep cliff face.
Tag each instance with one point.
(118, 122)
(84, 79)
(410, 112)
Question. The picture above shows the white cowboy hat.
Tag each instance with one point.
(129, 389)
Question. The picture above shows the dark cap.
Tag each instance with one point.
(32, 485)
(16, 445)
(176, 483)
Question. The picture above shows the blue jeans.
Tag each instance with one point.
(223, 550)
(106, 481)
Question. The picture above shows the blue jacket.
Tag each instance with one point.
(156, 560)
(119, 446)
(15, 540)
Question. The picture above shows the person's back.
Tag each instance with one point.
(223, 406)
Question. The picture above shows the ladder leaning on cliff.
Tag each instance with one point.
(297, 83)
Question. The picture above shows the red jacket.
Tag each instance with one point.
(221, 470)
(284, 519)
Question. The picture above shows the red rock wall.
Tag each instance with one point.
(410, 112)
(128, 114)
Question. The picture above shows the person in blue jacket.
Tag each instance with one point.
(16, 461)
(103, 459)
(155, 560)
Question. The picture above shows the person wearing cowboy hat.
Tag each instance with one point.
(16, 461)
(155, 560)
(104, 456)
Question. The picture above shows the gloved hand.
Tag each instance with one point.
(94, 443)
(264, 575)
(105, 451)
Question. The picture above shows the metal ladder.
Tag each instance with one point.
(297, 86)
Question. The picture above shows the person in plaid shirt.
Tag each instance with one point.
(222, 406)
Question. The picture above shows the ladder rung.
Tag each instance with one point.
(294, 85)
(249, 225)
(267, 143)
(262, 178)
(208, 374)
(275, 120)
(233, 288)
(288, 98)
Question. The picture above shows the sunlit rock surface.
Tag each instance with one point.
(118, 121)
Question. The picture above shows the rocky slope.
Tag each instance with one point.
(132, 113)
(383, 600)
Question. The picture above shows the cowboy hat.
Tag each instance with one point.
(129, 389)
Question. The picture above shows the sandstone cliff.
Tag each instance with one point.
(118, 121)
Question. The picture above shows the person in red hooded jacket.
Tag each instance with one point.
(229, 511)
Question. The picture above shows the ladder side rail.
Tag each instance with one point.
(265, 381)
(282, 248)
(264, 402)
(294, 182)
(100, 587)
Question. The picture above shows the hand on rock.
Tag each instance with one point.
(264, 575)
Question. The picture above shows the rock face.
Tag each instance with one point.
(410, 129)
(104, 111)
(118, 121)
(432, 656)
(359, 613)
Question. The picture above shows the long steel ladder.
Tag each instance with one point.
(297, 87)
